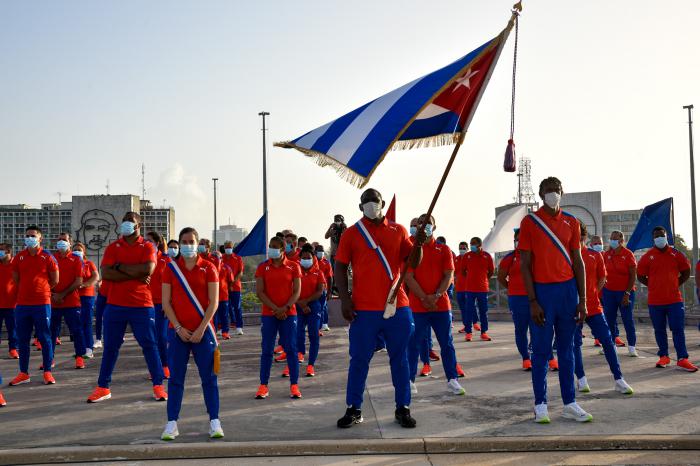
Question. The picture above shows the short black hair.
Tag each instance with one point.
(278, 240)
(188, 230)
(550, 180)
(477, 239)
(35, 228)
(279, 234)
(659, 228)
(158, 239)
(307, 248)
(175, 242)
(441, 238)
(320, 248)
(463, 243)
(303, 238)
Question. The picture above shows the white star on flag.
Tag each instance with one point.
(464, 80)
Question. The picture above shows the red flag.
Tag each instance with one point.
(391, 211)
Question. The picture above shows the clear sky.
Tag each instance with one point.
(91, 90)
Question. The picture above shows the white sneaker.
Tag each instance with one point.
(239, 331)
(326, 328)
(583, 385)
(632, 352)
(215, 430)
(623, 387)
(98, 344)
(541, 414)
(575, 412)
(414, 389)
(454, 387)
(88, 353)
(170, 431)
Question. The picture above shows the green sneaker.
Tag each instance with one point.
(170, 431)
(541, 414)
(215, 430)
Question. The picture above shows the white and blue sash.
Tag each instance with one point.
(390, 308)
(555, 239)
(192, 298)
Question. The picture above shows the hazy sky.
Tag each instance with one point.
(91, 90)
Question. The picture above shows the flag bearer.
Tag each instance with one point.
(479, 267)
(309, 307)
(618, 293)
(156, 288)
(376, 249)
(35, 272)
(65, 298)
(190, 300)
(278, 284)
(555, 281)
(128, 264)
(8, 298)
(664, 270)
(595, 279)
(428, 284)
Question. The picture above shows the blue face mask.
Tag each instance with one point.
(188, 250)
(31, 241)
(661, 242)
(319, 255)
(428, 230)
(306, 263)
(273, 253)
(288, 247)
(228, 251)
(78, 254)
(413, 230)
(172, 252)
(614, 243)
(201, 249)
(473, 248)
(2, 254)
(127, 228)
(62, 246)
(597, 247)
(462, 252)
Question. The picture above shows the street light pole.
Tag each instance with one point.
(692, 183)
(215, 248)
(264, 157)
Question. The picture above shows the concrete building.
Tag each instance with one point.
(620, 220)
(229, 233)
(92, 220)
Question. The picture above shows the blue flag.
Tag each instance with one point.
(433, 110)
(659, 214)
(255, 243)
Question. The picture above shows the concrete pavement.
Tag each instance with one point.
(498, 405)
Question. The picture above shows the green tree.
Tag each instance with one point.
(688, 289)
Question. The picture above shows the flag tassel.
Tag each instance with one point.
(324, 160)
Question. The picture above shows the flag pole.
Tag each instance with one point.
(263, 114)
(515, 12)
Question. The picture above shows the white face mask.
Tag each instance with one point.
(552, 200)
(372, 209)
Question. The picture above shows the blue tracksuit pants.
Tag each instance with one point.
(674, 314)
(142, 323)
(477, 300)
(39, 319)
(235, 308)
(612, 303)
(558, 301)
(520, 311)
(161, 332)
(87, 303)
(8, 316)
(72, 317)
(441, 323)
(397, 333)
(287, 329)
(178, 357)
(312, 321)
(601, 331)
(221, 316)
(100, 305)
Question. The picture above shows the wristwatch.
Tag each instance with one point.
(628, 293)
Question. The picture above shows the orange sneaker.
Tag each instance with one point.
(553, 365)
(468, 337)
(159, 393)
(99, 394)
(225, 336)
(485, 337)
(166, 372)
(462, 330)
(262, 392)
(37, 343)
(2, 401)
(527, 365)
(281, 358)
(79, 362)
(619, 342)
(58, 341)
(21, 378)
(310, 371)
(596, 342)
(285, 372)
(426, 371)
(686, 365)
(279, 350)
(460, 371)
(477, 327)
(433, 356)
(14, 354)
(301, 357)
(663, 362)
(294, 391)
(48, 378)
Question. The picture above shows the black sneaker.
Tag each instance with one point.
(403, 417)
(352, 416)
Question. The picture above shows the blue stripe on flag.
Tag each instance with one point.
(447, 122)
(336, 129)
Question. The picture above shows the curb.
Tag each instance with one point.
(350, 447)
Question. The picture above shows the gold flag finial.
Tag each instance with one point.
(518, 6)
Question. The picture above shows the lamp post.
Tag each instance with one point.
(692, 183)
(215, 248)
(263, 114)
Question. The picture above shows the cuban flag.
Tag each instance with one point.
(432, 110)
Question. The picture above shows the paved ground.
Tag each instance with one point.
(498, 401)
